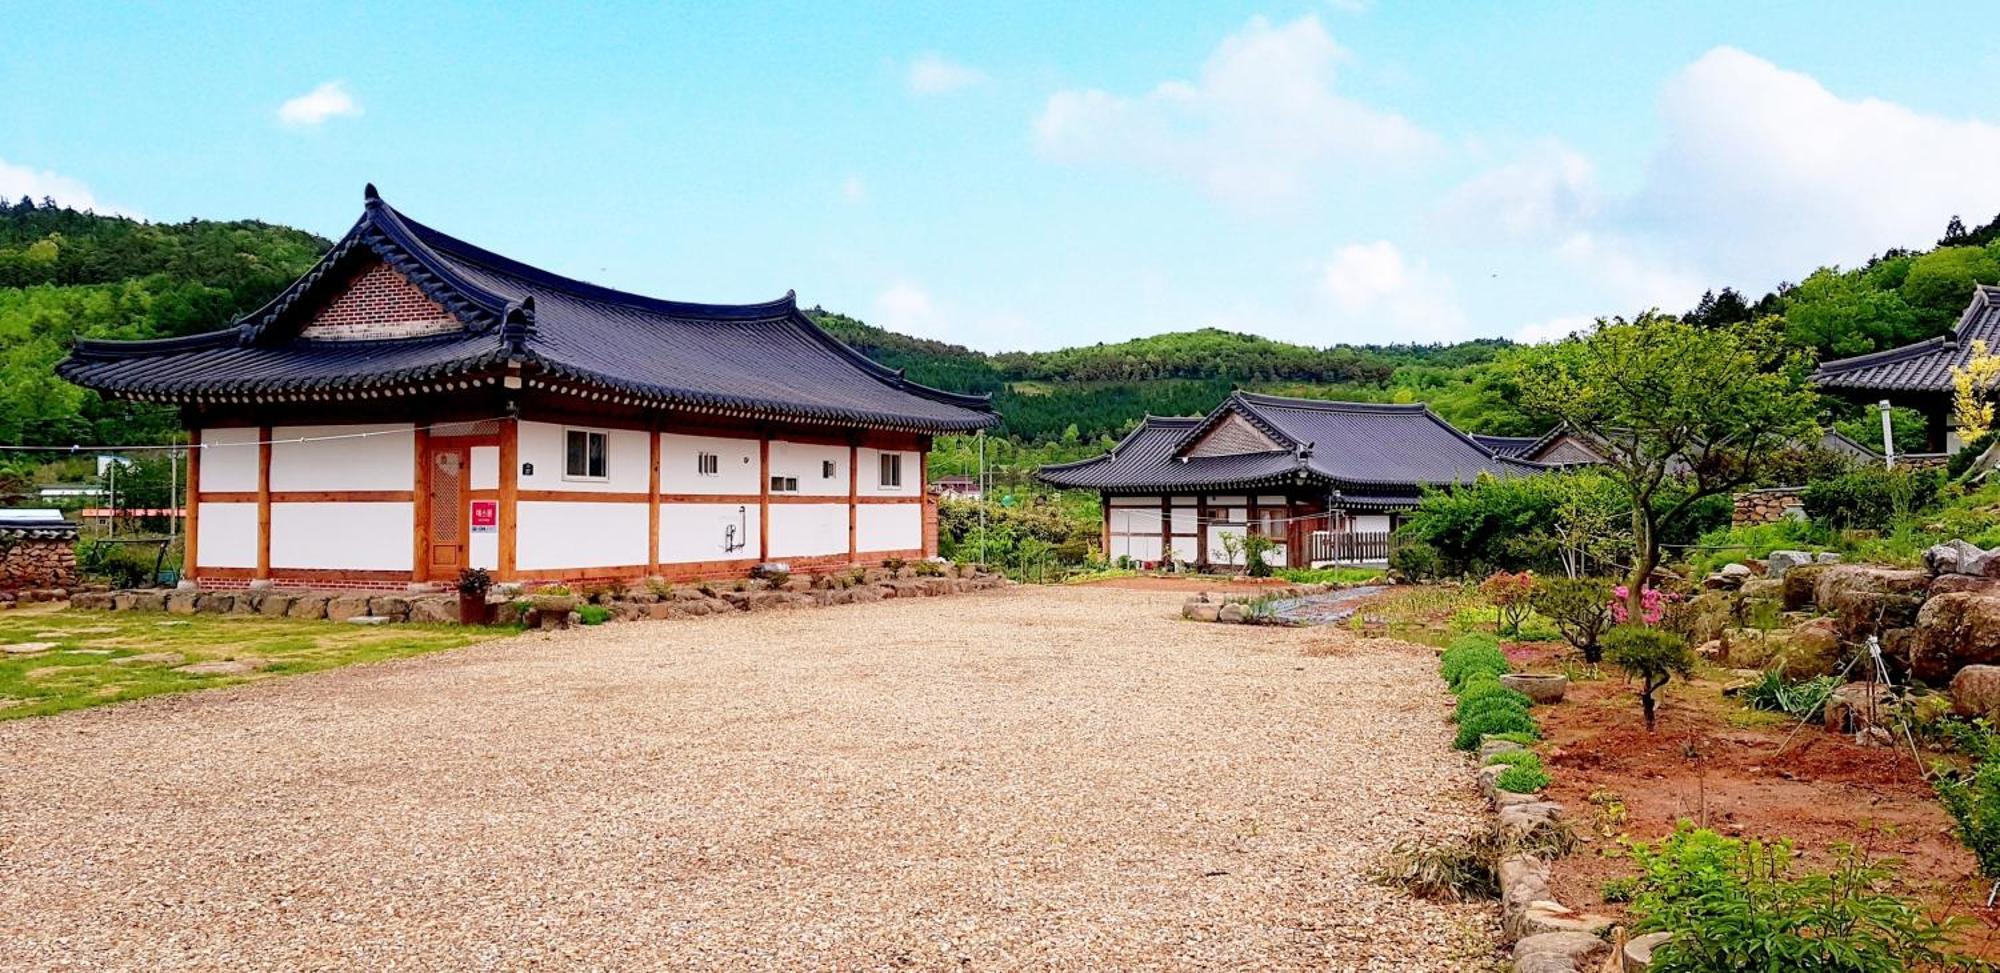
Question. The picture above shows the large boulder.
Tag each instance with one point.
(1858, 706)
(1712, 613)
(1948, 583)
(1806, 650)
(1801, 584)
(1956, 557)
(1867, 600)
(1955, 630)
(340, 608)
(1780, 563)
(1975, 692)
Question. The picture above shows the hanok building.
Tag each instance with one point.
(1325, 481)
(1919, 375)
(415, 405)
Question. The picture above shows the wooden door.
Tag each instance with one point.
(445, 541)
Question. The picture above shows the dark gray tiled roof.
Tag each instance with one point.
(1384, 452)
(763, 360)
(1922, 367)
(1511, 446)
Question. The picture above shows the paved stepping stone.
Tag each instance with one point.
(367, 619)
(223, 667)
(151, 659)
(88, 651)
(27, 648)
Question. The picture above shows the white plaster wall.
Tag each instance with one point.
(1153, 502)
(579, 534)
(1371, 523)
(804, 460)
(1183, 521)
(486, 468)
(1216, 554)
(871, 475)
(736, 462)
(350, 536)
(1135, 521)
(808, 529)
(1138, 547)
(889, 526)
(691, 532)
(228, 468)
(483, 551)
(628, 460)
(381, 462)
(226, 534)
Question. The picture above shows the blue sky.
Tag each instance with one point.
(1034, 175)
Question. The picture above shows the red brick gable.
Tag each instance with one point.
(378, 302)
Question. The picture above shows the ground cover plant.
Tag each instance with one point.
(86, 658)
(1972, 795)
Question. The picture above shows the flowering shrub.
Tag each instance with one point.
(1652, 605)
(1509, 593)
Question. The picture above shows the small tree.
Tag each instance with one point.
(1509, 594)
(1650, 655)
(1972, 391)
(1681, 413)
(1232, 545)
(1254, 546)
(1579, 607)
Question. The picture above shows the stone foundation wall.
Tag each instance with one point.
(1767, 506)
(34, 562)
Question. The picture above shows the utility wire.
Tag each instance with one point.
(255, 442)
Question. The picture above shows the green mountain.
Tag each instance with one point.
(65, 274)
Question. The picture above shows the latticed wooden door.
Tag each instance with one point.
(447, 512)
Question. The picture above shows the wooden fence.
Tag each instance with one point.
(1351, 547)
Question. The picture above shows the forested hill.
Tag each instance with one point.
(65, 274)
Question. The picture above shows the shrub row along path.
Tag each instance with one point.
(1030, 778)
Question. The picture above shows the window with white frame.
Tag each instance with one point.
(892, 470)
(584, 454)
(707, 464)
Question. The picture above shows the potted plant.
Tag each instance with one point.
(473, 583)
(554, 603)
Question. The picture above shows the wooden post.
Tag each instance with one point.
(420, 505)
(1201, 528)
(653, 504)
(764, 495)
(1166, 526)
(927, 513)
(853, 502)
(263, 503)
(1104, 503)
(189, 534)
(510, 491)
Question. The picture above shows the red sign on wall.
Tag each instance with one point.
(485, 516)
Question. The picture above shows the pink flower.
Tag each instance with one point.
(1652, 604)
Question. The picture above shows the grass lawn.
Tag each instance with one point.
(72, 658)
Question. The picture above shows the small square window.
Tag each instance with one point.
(892, 469)
(583, 454)
(826, 469)
(707, 464)
(784, 484)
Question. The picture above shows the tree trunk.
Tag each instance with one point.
(1646, 703)
(1645, 555)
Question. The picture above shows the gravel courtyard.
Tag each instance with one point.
(1035, 778)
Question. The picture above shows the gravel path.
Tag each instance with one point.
(1026, 779)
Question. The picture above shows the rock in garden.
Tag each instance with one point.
(1205, 612)
(434, 609)
(1802, 586)
(340, 608)
(1560, 952)
(1638, 956)
(1955, 557)
(1781, 562)
(308, 606)
(151, 659)
(223, 667)
(1975, 692)
(1232, 612)
(1857, 707)
(275, 604)
(183, 602)
(1490, 747)
(1955, 630)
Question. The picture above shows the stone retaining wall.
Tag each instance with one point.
(1767, 506)
(37, 562)
(510, 607)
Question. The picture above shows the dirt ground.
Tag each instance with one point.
(1713, 763)
(1052, 778)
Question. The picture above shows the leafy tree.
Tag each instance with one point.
(1681, 412)
(1579, 607)
(1652, 656)
(1972, 390)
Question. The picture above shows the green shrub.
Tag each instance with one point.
(1478, 693)
(1871, 497)
(1805, 699)
(1512, 757)
(1500, 719)
(1651, 655)
(1964, 458)
(1469, 656)
(1416, 561)
(1255, 545)
(1524, 739)
(1617, 890)
(1580, 608)
(593, 614)
(1739, 906)
(1972, 796)
(1523, 778)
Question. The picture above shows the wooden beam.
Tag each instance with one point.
(653, 506)
(764, 495)
(420, 506)
(1104, 503)
(853, 499)
(193, 495)
(510, 486)
(263, 502)
(1201, 528)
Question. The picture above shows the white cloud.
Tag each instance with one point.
(329, 100)
(1376, 284)
(17, 181)
(1554, 329)
(1259, 126)
(934, 74)
(1545, 194)
(905, 307)
(853, 189)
